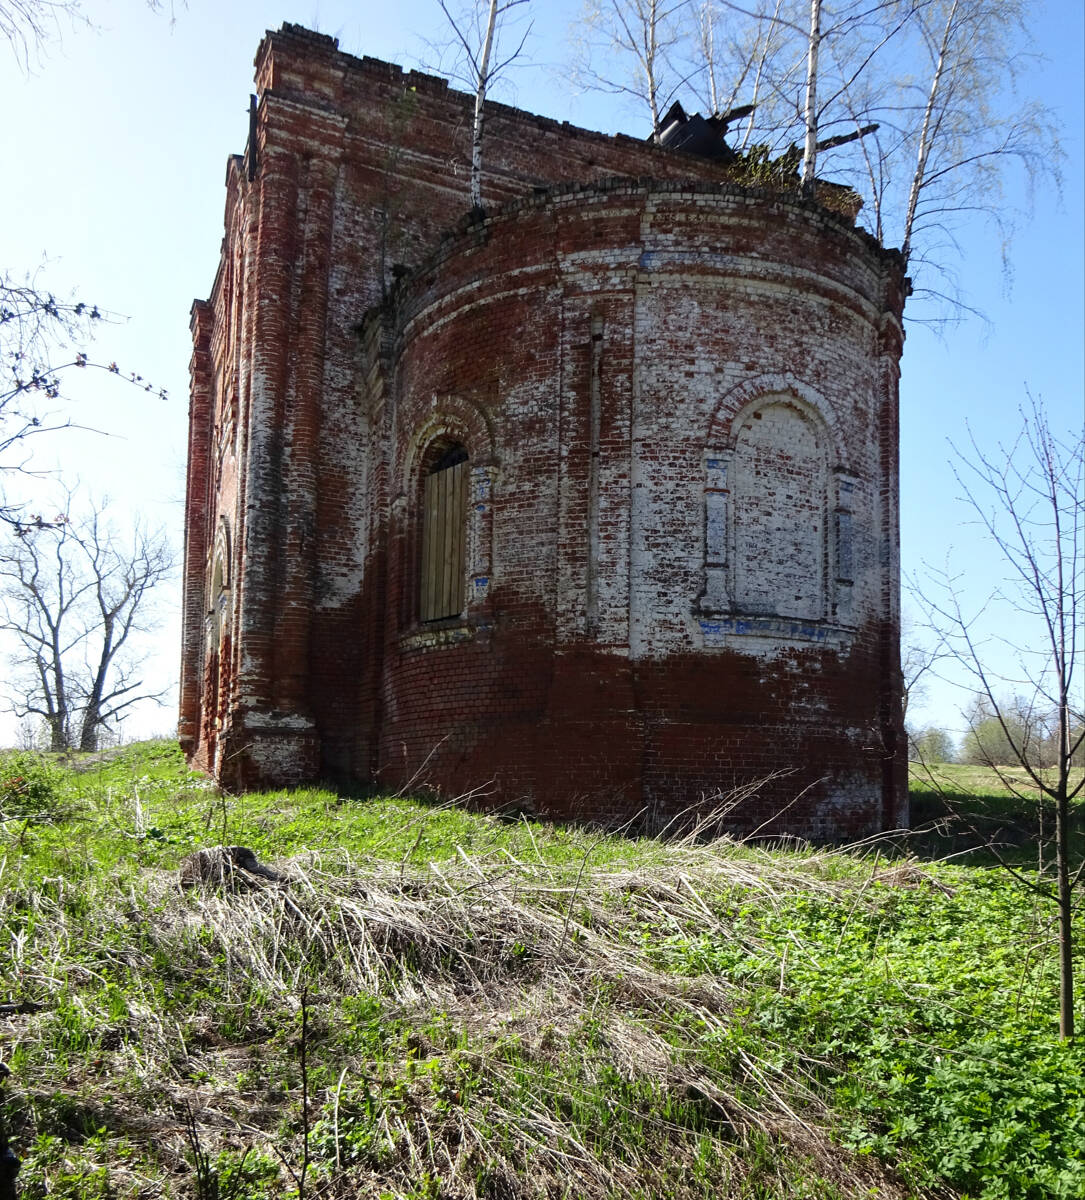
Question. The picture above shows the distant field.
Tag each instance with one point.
(963, 779)
(963, 810)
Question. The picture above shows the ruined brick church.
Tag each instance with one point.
(584, 502)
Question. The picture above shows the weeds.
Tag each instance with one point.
(212, 1183)
(434, 1003)
(30, 786)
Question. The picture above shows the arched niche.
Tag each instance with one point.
(778, 513)
(779, 500)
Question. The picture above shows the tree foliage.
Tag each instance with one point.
(993, 738)
(932, 745)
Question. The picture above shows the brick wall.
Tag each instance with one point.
(617, 381)
(678, 398)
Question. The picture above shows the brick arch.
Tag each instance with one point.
(452, 419)
(776, 548)
(736, 405)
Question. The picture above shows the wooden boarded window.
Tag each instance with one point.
(444, 536)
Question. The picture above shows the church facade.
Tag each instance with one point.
(584, 503)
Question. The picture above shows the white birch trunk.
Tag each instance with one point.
(708, 42)
(650, 68)
(925, 138)
(480, 100)
(810, 112)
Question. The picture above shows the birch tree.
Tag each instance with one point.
(734, 59)
(810, 109)
(636, 48)
(939, 80)
(821, 53)
(476, 34)
(968, 125)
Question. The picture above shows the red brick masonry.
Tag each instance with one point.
(678, 398)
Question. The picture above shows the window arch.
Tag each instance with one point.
(778, 537)
(443, 558)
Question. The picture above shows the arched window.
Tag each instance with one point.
(444, 534)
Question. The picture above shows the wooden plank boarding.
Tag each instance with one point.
(444, 542)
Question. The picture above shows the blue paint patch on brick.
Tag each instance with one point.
(716, 632)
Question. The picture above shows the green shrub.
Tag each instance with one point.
(30, 784)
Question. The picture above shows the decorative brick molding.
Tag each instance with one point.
(675, 402)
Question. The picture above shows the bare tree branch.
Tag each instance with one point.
(43, 344)
(1029, 499)
(478, 64)
(73, 595)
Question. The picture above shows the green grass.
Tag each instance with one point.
(1007, 784)
(509, 1009)
(971, 809)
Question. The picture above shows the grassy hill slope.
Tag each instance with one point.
(436, 1004)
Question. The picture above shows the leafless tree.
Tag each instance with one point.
(916, 99)
(637, 48)
(28, 25)
(706, 29)
(43, 341)
(659, 50)
(811, 58)
(74, 595)
(40, 339)
(968, 126)
(733, 60)
(1029, 498)
(939, 79)
(476, 31)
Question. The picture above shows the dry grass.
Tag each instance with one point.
(489, 1027)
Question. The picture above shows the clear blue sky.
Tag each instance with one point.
(114, 149)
